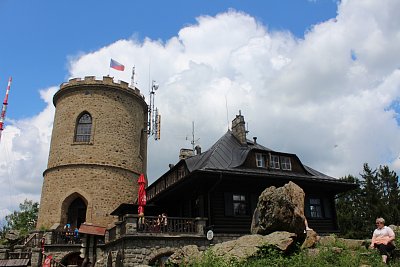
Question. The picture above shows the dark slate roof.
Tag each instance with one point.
(226, 153)
(229, 154)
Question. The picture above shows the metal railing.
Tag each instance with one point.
(173, 225)
(63, 237)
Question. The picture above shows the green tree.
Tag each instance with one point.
(351, 213)
(23, 220)
(377, 195)
(371, 193)
(389, 184)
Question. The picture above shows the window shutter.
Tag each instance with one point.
(228, 204)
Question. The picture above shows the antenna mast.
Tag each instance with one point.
(4, 109)
(154, 120)
(194, 141)
(133, 78)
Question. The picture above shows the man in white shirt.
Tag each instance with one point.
(383, 239)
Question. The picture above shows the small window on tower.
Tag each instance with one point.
(83, 128)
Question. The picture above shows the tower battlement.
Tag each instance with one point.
(107, 80)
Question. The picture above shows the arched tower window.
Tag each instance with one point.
(83, 128)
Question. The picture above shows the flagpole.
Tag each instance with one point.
(133, 77)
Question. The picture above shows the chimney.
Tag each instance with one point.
(185, 153)
(198, 150)
(255, 139)
(239, 128)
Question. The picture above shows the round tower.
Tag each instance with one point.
(98, 150)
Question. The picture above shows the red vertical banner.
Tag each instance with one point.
(47, 261)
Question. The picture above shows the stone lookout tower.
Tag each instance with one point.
(98, 150)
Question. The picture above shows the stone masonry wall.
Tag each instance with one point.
(104, 188)
(119, 117)
(104, 171)
(142, 250)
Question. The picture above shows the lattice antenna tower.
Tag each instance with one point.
(4, 108)
(154, 121)
(133, 77)
(194, 141)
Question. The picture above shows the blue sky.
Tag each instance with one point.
(40, 36)
(318, 78)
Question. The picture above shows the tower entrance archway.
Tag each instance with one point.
(77, 212)
(73, 210)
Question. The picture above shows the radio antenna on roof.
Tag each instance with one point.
(133, 77)
(154, 120)
(4, 108)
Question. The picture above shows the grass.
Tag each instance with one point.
(336, 255)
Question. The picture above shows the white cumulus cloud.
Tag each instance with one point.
(330, 97)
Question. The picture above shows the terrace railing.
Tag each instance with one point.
(172, 225)
(132, 224)
(63, 237)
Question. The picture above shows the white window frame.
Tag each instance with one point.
(261, 160)
(274, 162)
(286, 164)
(239, 204)
(316, 208)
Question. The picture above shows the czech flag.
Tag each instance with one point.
(117, 66)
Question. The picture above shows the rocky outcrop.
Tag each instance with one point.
(280, 209)
(247, 246)
(240, 249)
(311, 240)
(185, 255)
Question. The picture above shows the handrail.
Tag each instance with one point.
(33, 240)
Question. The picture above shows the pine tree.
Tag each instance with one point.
(350, 212)
(391, 195)
(377, 195)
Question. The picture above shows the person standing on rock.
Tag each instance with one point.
(383, 239)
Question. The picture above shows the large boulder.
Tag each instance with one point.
(280, 209)
(247, 246)
(239, 249)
